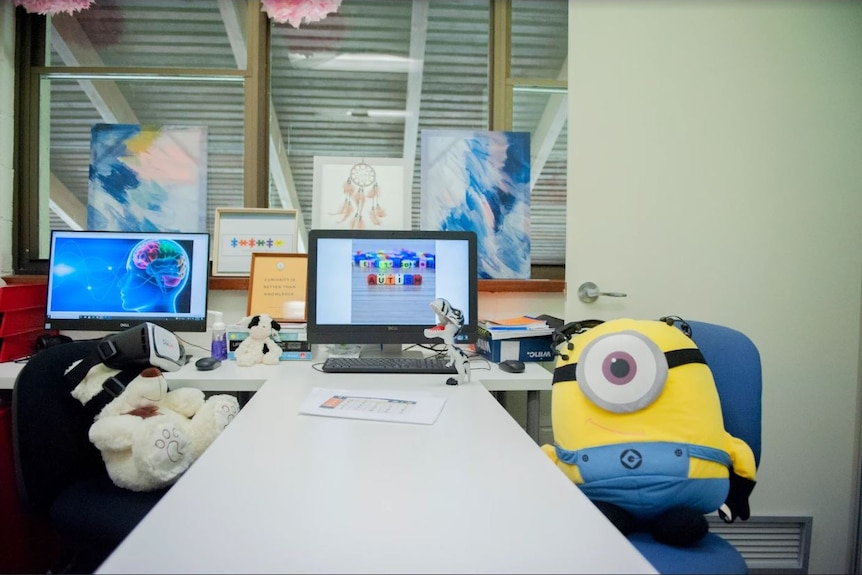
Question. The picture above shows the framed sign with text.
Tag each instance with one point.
(240, 232)
(277, 283)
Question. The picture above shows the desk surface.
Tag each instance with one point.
(230, 377)
(281, 492)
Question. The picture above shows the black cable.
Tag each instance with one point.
(683, 325)
(189, 344)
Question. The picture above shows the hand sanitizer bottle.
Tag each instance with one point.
(219, 335)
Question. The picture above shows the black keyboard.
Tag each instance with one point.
(388, 365)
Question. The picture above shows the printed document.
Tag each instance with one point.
(381, 405)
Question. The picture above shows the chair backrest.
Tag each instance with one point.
(50, 427)
(735, 364)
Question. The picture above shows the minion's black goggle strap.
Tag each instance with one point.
(675, 358)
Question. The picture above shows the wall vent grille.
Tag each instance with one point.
(769, 544)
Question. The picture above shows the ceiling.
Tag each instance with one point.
(363, 82)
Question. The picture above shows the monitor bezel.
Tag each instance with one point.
(387, 334)
(122, 322)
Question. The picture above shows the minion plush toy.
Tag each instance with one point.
(638, 427)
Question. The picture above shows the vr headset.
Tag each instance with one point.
(142, 346)
(131, 352)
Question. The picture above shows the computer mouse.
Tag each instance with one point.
(512, 366)
(207, 363)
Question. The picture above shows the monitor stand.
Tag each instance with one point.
(389, 350)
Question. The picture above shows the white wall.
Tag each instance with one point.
(7, 87)
(715, 172)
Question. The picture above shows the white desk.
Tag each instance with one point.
(230, 377)
(280, 492)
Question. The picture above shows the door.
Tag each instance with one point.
(715, 173)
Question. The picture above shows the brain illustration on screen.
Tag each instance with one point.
(156, 272)
(163, 261)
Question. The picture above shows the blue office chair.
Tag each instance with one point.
(60, 475)
(735, 364)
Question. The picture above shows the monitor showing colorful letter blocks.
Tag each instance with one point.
(395, 267)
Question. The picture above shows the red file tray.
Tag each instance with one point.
(21, 296)
(18, 321)
(22, 319)
(21, 345)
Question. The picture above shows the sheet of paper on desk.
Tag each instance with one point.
(388, 405)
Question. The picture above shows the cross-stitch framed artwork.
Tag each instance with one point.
(239, 232)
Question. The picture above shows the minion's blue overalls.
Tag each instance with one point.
(648, 478)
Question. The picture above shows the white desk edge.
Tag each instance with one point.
(230, 377)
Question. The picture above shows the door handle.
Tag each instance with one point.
(588, 292)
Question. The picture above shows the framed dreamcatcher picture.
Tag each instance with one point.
(355, 193)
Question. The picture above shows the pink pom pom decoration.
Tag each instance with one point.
(51, 7)
(296, 12)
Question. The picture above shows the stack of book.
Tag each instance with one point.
(291, 338)
(524, 338)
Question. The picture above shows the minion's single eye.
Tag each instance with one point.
(622, 372)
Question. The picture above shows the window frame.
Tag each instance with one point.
(30, 52)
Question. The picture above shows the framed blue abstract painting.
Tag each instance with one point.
(480, 181)
(147, 178)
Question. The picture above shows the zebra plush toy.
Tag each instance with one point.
(449, 322)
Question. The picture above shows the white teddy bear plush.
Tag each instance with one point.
(149, 436)
(259, 347)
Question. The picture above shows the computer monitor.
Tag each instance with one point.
(376, 287)
(111, 281)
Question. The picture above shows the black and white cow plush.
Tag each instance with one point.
(259, 347)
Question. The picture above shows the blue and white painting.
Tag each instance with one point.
(147, 178)
(480, 181)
